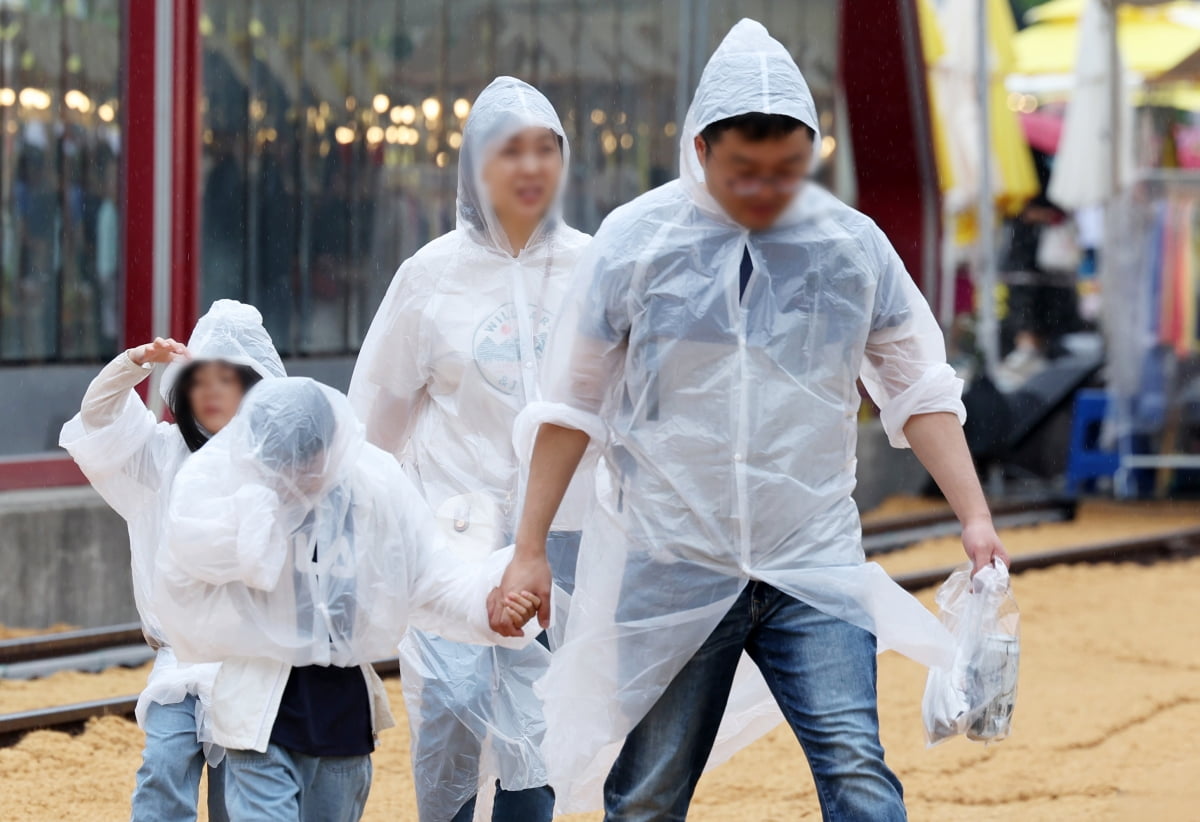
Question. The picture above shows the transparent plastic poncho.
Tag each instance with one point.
(290, 538)
(132, 460)
(728, 428)
(451, 358)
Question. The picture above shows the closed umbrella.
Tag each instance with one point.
(1084, 170)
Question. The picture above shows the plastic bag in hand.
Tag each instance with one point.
(976, 695)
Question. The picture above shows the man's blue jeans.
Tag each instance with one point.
(168, 780)
(284, 786)
(821, 671)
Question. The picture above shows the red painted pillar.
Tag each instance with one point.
(185, 164)
(882, 75)
(137, 178)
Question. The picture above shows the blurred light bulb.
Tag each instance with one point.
(8, 97)
(380, 103)
(828, 144)
(626, 141)
(344, 135)
(374, 135)
(431, 108)
(462, 107)
(670, 129)
(407, 115)
(441, 159)
(105, 110)
(455, 139)
(34, 98)
(598, 116)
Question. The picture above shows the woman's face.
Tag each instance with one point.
(215, 394)
(522, 177)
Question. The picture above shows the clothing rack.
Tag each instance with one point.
(1152, 321)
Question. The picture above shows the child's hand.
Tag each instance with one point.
(521, 607)
(159, 351)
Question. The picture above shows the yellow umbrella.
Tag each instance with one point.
(933, 48)
(1152, 39)
(1014, 177)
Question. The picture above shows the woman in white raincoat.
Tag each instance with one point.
(451, 358)
(132, 461)
(296, 555)
(717, 329)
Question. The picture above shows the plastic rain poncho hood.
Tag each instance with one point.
(290, 538)
(231, 332)
(132, 460)
(728, 428)
(451, 358)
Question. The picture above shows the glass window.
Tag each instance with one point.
(331, 130)
(59, 156)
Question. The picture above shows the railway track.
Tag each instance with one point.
(1146, 549)
(98, 648)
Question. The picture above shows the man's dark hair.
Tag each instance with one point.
(755, 127)
(181, 406)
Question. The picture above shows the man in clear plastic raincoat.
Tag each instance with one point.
(719, 327)
(451, 358)
(297, 554)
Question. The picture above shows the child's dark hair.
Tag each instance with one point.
(181, 406)
(755, 127)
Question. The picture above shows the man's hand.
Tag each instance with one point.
(159, 351)
(982, 544)
(524, 575)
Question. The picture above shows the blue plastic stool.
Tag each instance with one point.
(1086, 461)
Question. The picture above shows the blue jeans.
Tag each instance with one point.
(529, 805)
(168, 781)
(821, 671)
(285, 786)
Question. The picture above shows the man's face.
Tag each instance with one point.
(755, 181)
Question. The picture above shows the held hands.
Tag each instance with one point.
(514, 609)
(982, 544)
(160, 351)
(526, 583)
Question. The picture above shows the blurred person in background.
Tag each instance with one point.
(1039, 267)
(132, 461)
(450, 360)
(711, 346)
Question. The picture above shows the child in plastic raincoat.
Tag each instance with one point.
(717, 329)
(451, 358)
(132, 461)
(296, 555)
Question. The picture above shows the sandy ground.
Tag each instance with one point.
(1107, 724)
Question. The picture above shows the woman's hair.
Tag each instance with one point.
(181, 404)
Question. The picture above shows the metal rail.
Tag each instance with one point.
(73, 717)
(1147, 549)
(879, 536)
(67, 643)
(893, 533)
